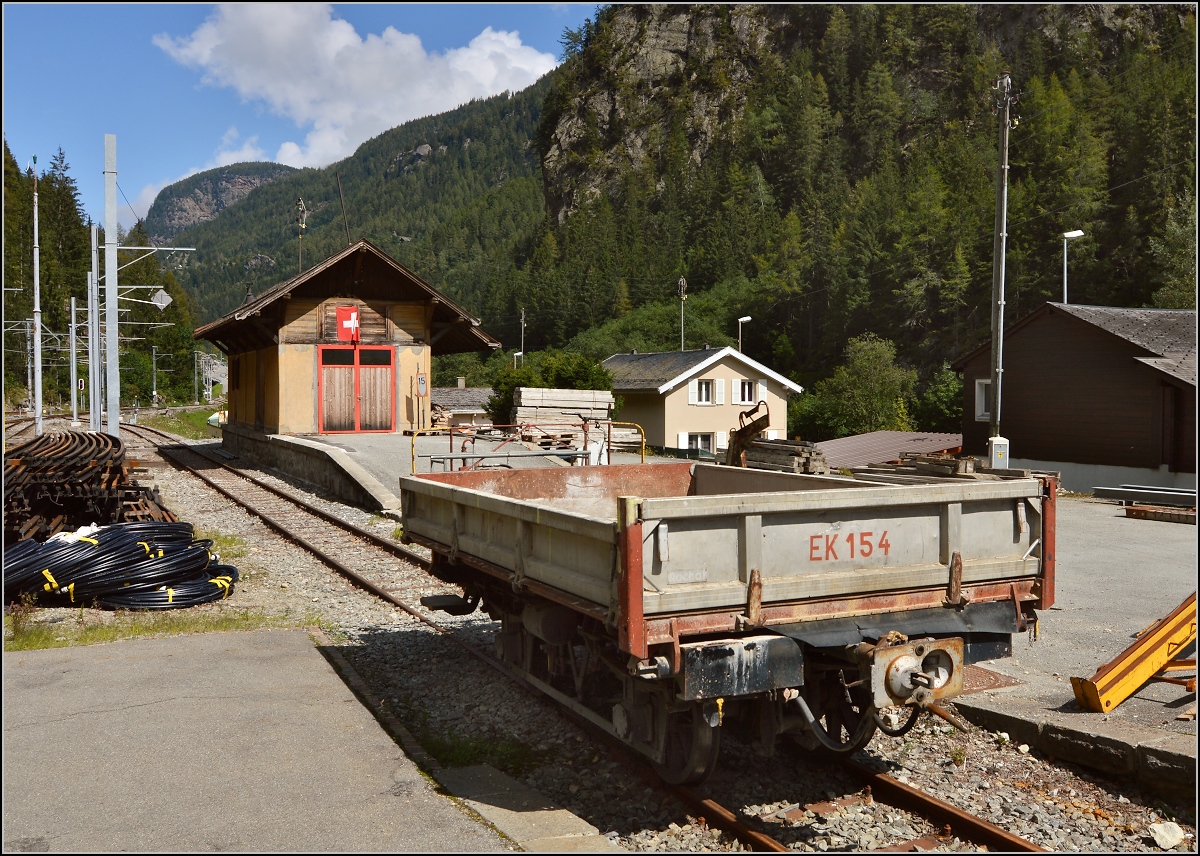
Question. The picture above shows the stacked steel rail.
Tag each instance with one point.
(71, 479)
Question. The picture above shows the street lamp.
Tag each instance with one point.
(741, 321)
(517, 354)
(681, 287)
(1075, 233)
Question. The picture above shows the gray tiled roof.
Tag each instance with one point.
(634, 372)
(470, 399)
(1169, 334)
(880, 447)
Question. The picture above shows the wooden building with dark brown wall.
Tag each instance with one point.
(1100, 393)
(343, 347)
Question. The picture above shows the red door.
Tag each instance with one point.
(356, 387)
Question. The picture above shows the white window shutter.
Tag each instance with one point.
(692, 385)
(722, 440)
(762, 390)
(720, 382)
(683, 440)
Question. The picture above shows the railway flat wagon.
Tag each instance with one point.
(670, 602)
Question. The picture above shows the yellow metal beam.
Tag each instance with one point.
(1146, 657)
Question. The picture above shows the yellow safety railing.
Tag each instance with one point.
(515, 432)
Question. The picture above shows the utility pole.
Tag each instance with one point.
(301, 217)
(95, 397)
(522, 329)
(74, 392)
(29, 362)
(112, 367)
(154, 375)
(997, 445)
(37, 314)
(195, 377)
(682, 286)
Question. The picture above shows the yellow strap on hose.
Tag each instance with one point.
(53, 584)
(145, 547)
(71, 591)
(91, 541)
(223, 583)
(170, 595)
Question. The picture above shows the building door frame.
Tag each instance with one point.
(356, 366)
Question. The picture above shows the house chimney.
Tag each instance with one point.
(462, 383)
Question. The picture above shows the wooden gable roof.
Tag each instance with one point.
(361, 270)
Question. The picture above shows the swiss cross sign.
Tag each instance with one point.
(347, 323)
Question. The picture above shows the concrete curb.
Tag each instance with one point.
(1161, 762)
(535, 823)
(325, 466)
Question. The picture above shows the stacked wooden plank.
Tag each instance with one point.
(560, 406)
(786, 456)
(915, 468)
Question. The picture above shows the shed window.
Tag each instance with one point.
(375, 357)
(983, 400)
(337, 356)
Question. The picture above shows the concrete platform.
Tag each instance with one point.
(239, 741)
(1115, 576)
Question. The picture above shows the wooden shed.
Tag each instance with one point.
(344, 347)
(1096, 387)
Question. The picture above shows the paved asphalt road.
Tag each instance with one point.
(242, 741)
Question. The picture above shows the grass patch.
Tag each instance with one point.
(91, 627)
(456, 750)
(192, 424)
(228, 547)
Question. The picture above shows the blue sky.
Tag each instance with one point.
(190, 87)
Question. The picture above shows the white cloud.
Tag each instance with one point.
(230, 152)
(314, 69)
(227, 152)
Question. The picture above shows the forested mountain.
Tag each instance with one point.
(201, 197)
(64, 245)
(828, 170)
(449, 196)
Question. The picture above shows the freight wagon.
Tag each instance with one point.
(670, 602)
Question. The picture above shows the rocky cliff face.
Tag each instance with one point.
(202, 197)
(625, 93)
(652, 79)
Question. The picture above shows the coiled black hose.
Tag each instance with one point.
(123, 566)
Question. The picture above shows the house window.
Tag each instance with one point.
(983, 400)
(703, 442)
(746, 392)
(704, 390)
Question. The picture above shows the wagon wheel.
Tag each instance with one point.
(844, 713)
(692, 748)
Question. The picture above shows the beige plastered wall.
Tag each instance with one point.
(298, 390)
(412, 413)
(680, 416)
(646, 410)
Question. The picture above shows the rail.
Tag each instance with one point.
(887, 789)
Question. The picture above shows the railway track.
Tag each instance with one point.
(368, 560)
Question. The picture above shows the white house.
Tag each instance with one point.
(692, 399)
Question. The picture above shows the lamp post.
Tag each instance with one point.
(1076, 233)
(682, 289)
(517, 354)
(741, 321)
